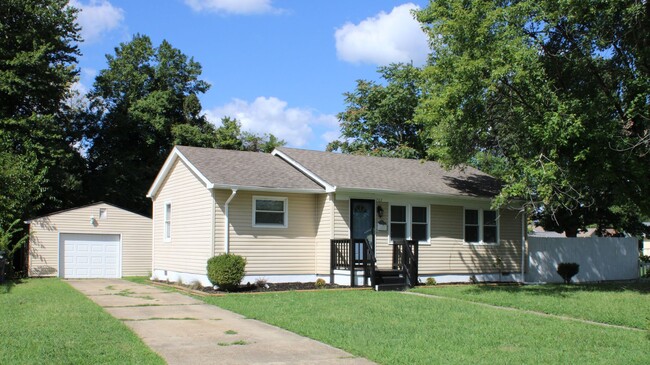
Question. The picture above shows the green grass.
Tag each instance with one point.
(45, 321)
(138, 279)
(625, 304)
(396, 328)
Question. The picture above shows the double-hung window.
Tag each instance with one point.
(269, 212)
(409, 222)
(167, 225)
(481, 227)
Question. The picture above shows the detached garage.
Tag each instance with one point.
(95, 241)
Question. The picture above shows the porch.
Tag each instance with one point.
(355, 259)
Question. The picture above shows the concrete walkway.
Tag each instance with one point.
(184, 330)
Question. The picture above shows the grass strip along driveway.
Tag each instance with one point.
(45, 321)
(394, 328)
(623, 304)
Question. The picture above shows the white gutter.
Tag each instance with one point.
(226, 235)
(523, 244)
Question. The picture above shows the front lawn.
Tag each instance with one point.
(397, 328)
(45, 321)
(625, 304)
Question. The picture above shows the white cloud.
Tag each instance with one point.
(97, 18)
(272, 115)
(240, 7)
(383, 39)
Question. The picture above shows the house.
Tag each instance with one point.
(299, 215)
(94, 241)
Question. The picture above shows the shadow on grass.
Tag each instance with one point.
(7, 286)
(563, 290)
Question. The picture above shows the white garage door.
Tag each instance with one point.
(90, 255)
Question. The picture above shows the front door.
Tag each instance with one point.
(362, 223)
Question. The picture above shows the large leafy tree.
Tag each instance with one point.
(230, 136)
(143, 104)
(140, 106)
(39, 168)
(379, 117)
(554, 94)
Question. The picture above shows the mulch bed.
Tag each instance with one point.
(271, 287)
(251, 288)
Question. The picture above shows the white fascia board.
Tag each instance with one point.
(166, 168)
(328, 187)
(388, 194)
(262, 188)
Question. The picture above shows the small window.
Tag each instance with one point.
(490, 226)
(419, 224)
(409, 223)
(471, 226)
(397, 222)
(167, 234)
(269, 212)
(103, 213)
(481, 226)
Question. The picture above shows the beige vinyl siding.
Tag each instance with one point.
(135, 231)
(341, 219)
(221, 197)
(448, 254)
(324, 207)
(271, 251)
(383, 251)
(191, 215)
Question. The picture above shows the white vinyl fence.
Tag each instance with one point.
(599, 258)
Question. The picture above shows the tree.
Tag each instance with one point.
(378, 119)
(230, 136)
(140, 106)
(554, 95)
(39, 168)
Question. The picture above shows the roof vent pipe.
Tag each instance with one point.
(226, 234)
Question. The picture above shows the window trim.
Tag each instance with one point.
(481, 227)
(167, 221)
(283, 199)
(105, 215)
(409, 221)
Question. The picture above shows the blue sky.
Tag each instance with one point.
(279, 67)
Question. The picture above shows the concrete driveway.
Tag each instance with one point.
(184, 330)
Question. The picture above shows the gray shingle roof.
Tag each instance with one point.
(246, 169)
(393, 174)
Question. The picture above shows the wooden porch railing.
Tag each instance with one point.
(347, 254)
(405, 258)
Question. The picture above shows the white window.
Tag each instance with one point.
(481, 227)
(270, 212)
(103, 213)
(167, 230)
(409, 222)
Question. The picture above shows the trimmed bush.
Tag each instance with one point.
(226, 270)
(320, 283)
(567, 270)
(431, 281)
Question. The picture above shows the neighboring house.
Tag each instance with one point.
(299, 215)
(645, 250)
(94, 241)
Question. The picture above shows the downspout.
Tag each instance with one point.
(153, 238)
(226, 235)
(212, 222)
(523, 245)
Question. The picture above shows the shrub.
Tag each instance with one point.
(567, 270)
(431, 281)
(226, 270)
(320, 283)
(261, 282)
(473, 279)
